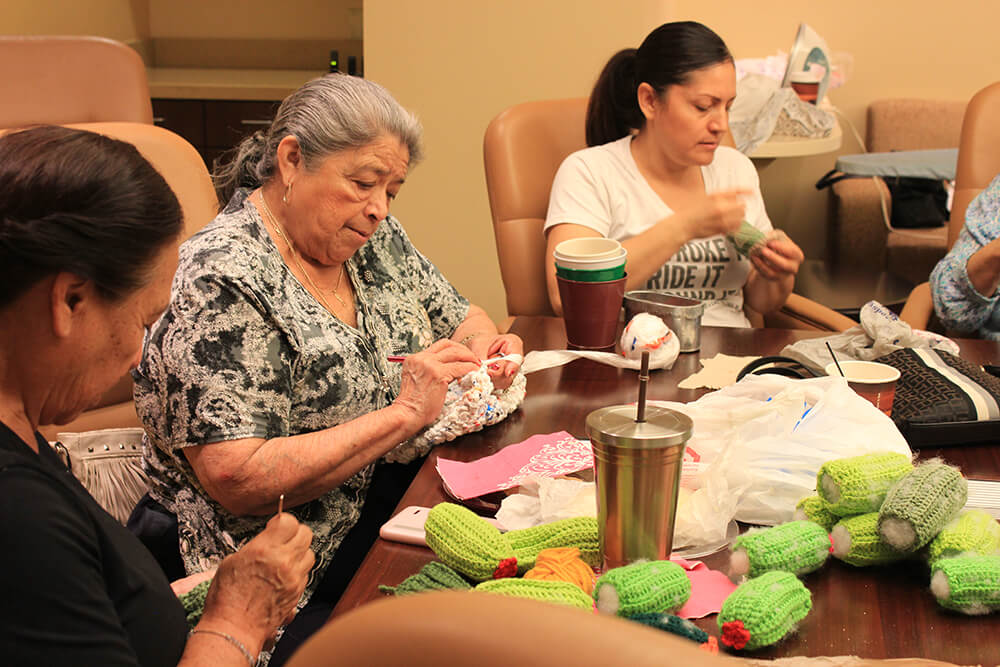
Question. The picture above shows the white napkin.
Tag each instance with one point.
(718, 372)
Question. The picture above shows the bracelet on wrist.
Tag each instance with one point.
(467, 339)
(232, 640)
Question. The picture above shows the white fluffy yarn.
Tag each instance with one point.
(647, 333)
(470, 404)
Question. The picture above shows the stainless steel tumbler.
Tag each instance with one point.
(637, 467)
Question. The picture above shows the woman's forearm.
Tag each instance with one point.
(476, 330)
(767, 296)
(247, 476)
(983, 268)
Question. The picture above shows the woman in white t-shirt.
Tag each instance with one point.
(656, 178)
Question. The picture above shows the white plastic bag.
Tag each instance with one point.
(763, 108)
(760, 442)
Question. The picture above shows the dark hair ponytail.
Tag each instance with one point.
(666, 57)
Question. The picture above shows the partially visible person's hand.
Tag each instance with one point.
(182, 586)
(717, 213)
(780, 257)
(255, 590)
(502, 373)
(426, 376)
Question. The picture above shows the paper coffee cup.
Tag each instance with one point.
(871, 380)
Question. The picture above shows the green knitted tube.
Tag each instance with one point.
(432, 577)
(194, 602)
(761, 611)
(674, 624)
(469, 543)
(920, 504)
(971, 532)
(746, 238)
(856, 541)
(559, 592)
(817, 510)
(798, 547)
(656, 586)
(969, 584)
(579, 532)
(858, 484)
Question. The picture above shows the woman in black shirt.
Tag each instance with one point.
(88, 247)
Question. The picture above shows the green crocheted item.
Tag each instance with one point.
(817, 510)
(969, 584)
(579, 532)
(856, 541)
(858, 484)
(434, 576)
(559, 592)
(656, 586)
(194, 602)
(746, 238)
(761, 611)
(469, 544)
(972, 532)
(674, 624)
(920, 504)
(798, 547)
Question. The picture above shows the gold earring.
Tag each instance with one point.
(288, 191)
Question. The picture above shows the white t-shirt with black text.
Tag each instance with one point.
(601, 188)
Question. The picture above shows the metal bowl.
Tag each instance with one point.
(683, 316)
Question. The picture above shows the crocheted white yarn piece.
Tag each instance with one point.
(470, 404)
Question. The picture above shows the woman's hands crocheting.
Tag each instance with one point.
(779, 258)
(255, 590)
(502, 373)
(426, 375)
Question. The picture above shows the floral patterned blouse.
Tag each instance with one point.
(244, 351)
(957, 302)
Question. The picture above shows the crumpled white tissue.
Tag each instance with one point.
(545, 499)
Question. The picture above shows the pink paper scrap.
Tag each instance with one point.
(543, 455)
(709, 589)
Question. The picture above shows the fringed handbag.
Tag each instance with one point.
(109, 465)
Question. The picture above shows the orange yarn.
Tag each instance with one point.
(563, 564)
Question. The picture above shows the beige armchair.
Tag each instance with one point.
(858, 231)
(523, 149)
(59, 80)
(182, 167)
(978, 164)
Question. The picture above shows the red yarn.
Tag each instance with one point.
(506, 568)
(831, 542)
(734, 634)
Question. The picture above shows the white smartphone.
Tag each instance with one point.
(408, 526)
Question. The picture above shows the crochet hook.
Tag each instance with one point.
(512, 358)
(281, 502)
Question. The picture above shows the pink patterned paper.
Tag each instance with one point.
(544, 455)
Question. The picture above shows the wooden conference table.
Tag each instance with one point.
(879, 612)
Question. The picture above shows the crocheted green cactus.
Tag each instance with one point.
(761, 611)
(579, 532)
(856, 541)
(971, 532)
(746, 238)
(674, 624)
(817, 510)
(559, 592)
(858, 484)
(468, 543)
(194, 602)
(969, 584)
(798, 547)
(644, 587)
(432, 577)
(920, 504)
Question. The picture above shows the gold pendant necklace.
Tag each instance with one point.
(295, 257)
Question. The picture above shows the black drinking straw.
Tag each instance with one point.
(835, 359)
(640, 411)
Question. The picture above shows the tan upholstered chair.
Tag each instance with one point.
(59, 80)
(185, 172)
(858, 233)
(978, 164)
(523, 148)
(489, 630)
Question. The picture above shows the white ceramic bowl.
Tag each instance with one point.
(590, 263)
(590, 247)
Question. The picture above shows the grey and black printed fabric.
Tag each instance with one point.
(942, 399)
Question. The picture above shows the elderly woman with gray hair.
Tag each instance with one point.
(268, 374)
